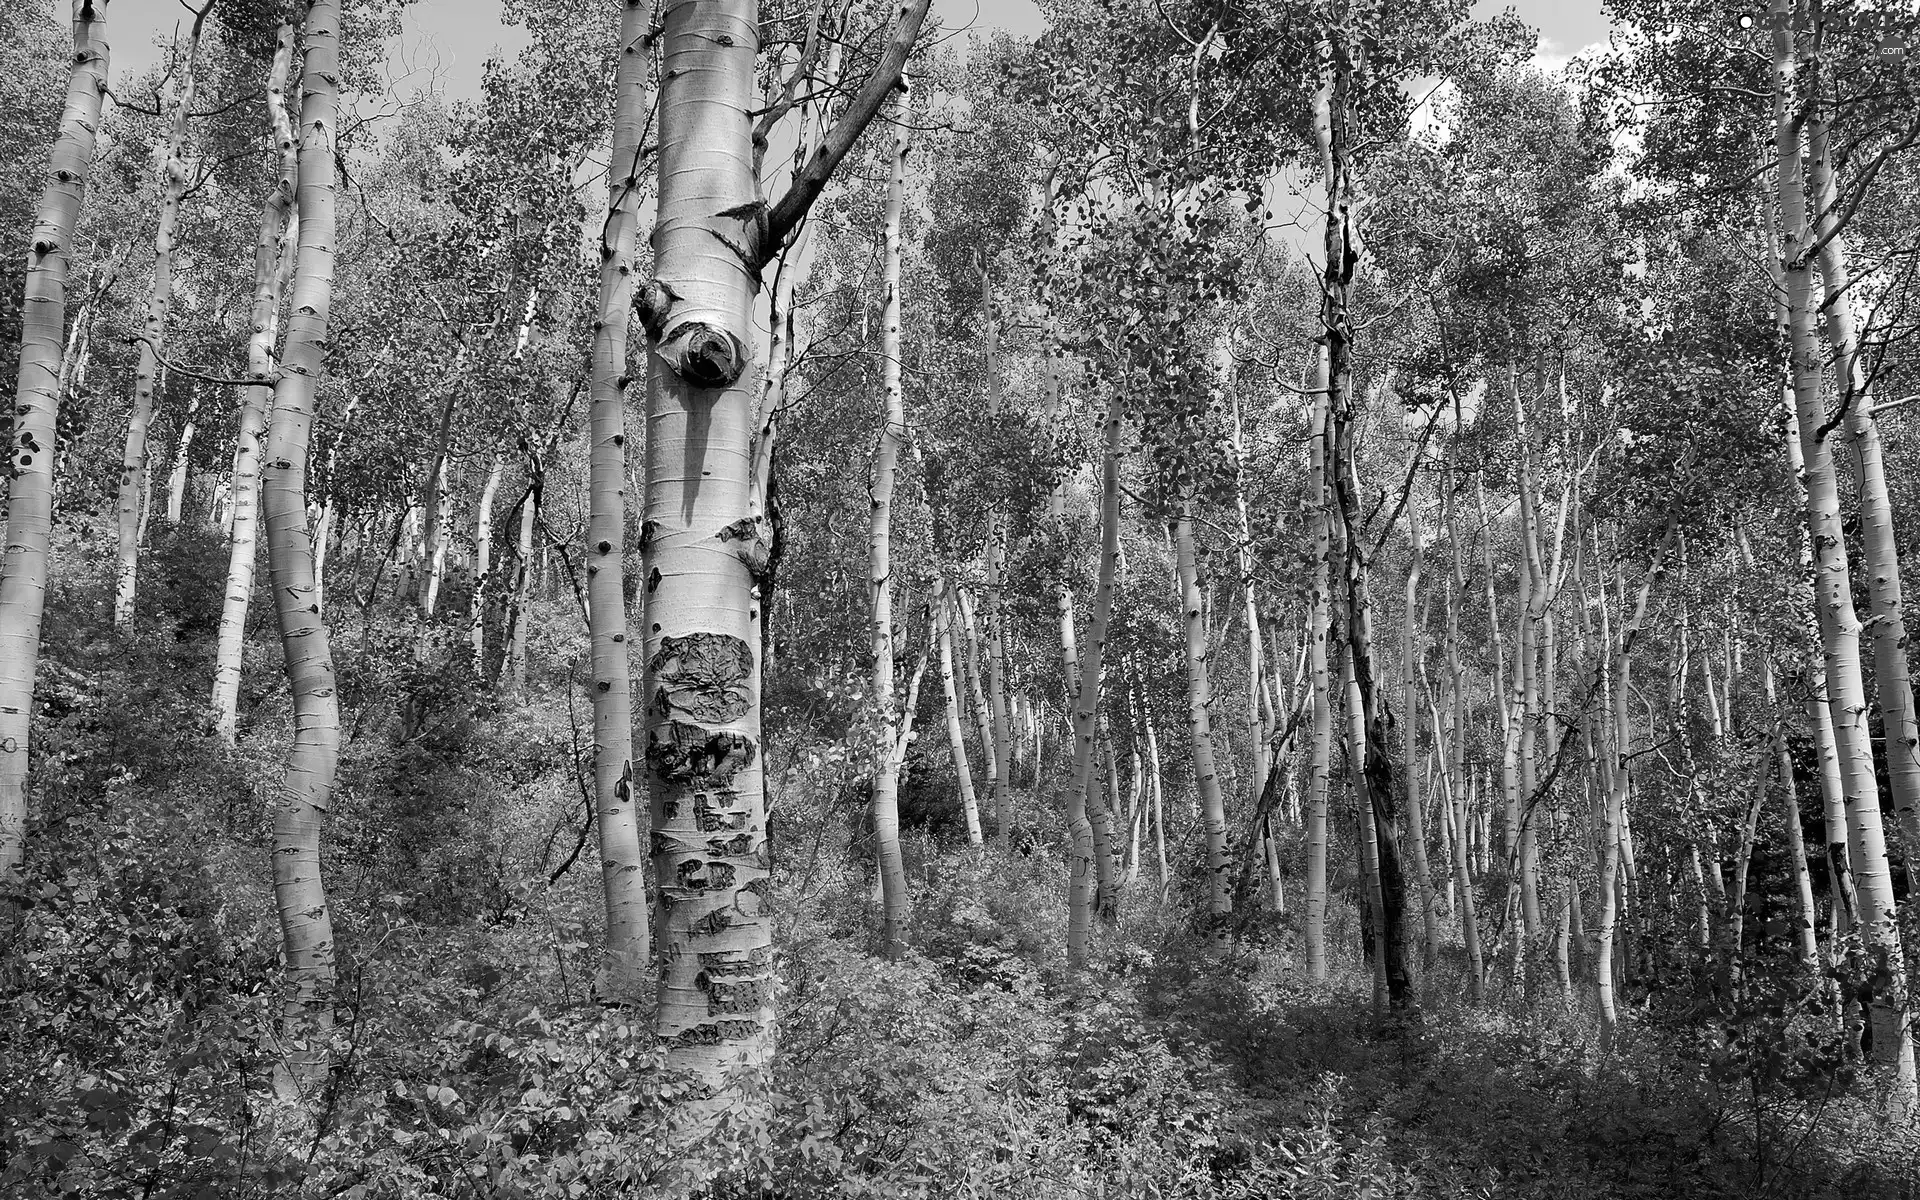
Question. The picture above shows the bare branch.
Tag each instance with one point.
(786, 214)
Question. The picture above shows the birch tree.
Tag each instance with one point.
(306, 793)
(616, 802)
(153, 338)
(23, 578)
(701, 547)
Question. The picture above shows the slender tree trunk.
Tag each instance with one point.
(794, 270)
(1378, 931)
(1460, 824)
(1213, 813)
(1137, 814)
(1319, 619)
(482, 566)
(1159, 803)
(1411, 705)
(615, 788)
(1826, 749)
(177, 477)
(1892, 680)
(1617, 688)
(438, 516)
(134, 473)
(306, 921)
(1259, 731)
(886, 462)
(272, 261)
(982, 711)
(515, 666)
(1808, 915)
(956, 728)
(1103, 810)
(1527, 678)
(23, 579)
(1001, 758)
(1083, 895)
(326, 524)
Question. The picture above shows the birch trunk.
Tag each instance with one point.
(1617, 688)
(1001, 758)
(1259, 731)
(1892, 680)
(1083, 896)
(306, 921)
(982, 712)
(438, 516)
(702, 552)
(956, 728)
(515, 665)
(482, 566)
(182, 450)
(1840, 628)
(1320, 747)
(153, 339)
(1461, 821)
(615, 788)
(1527, 677)
(1213, 813)
(1411, 704)
(23, 579)
(271, 262)
(885, 796)
(1159, 804)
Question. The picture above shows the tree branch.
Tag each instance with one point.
(786, 214)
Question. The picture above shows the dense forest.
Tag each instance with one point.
(1240, 598)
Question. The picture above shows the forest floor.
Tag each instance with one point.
(1176, 1072)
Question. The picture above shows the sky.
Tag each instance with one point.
(454, 37)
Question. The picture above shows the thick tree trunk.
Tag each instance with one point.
(306, 921)
(704, 552)
(23, 578)
(153, 339)
(886, 463)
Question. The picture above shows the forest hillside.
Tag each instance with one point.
(1237, 599)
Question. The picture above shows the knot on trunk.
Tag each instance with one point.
(704, 356)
